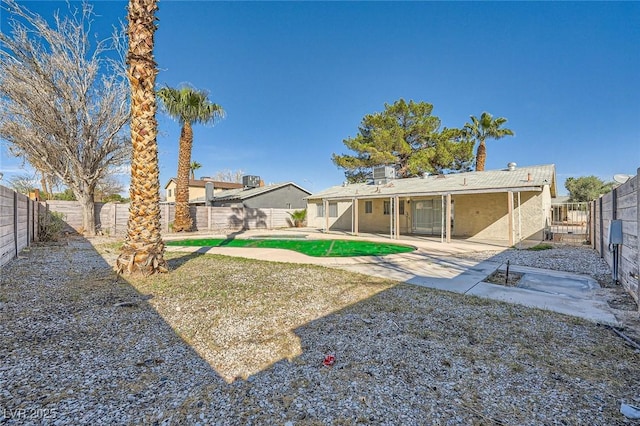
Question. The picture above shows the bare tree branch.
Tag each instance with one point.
(227, 175)
(64, 98)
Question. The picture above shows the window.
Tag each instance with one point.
(169, 193)
(368, 206)
(333, 209)
(320, 210)
(387, 207)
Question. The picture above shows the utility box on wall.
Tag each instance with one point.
(615, 231)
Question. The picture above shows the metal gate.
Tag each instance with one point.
(569, 223)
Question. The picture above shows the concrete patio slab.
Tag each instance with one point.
(590, 309)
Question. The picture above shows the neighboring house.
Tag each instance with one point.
(507, 205)
(278, 196)
(197, 189)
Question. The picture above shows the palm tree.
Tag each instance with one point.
(143, 249)
(188, 106)
(485, 128)
(193, 167)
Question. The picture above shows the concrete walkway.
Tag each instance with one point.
(432, 265)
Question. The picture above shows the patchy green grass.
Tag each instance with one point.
(541, 246)
(315, 248)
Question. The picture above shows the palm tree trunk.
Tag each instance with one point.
(143, 250)
(481, 156)
(183, 220)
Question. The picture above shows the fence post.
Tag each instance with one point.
(36, 221)
(28, 221)
(15, 222)
(601, 226)
(638, 237)
(592, 224)
(34, 205)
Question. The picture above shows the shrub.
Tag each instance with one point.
(298, 217)
(50, 226)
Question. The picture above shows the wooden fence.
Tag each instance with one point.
(18, 223)
(111, 218)
(623, 203)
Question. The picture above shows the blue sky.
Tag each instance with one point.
(296, 78)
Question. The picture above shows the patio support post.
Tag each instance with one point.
(448, 218)
(325, 207)
(391, 213)
(354, 205)
(396, 212)
(519, 220)
(510, 216)
(443, 211)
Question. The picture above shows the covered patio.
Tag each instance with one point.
(503, 205)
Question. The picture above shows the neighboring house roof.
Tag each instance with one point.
(198, 183)
(530, 178)
(562, 199)
(243, 194)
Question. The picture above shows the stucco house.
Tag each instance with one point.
(506, 206)
(286, 195)
(197, 189)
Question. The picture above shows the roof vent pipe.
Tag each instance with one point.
(528, 177)
(511, 166)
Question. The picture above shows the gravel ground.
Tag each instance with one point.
(80, 346)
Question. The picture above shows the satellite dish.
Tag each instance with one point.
(621, 178)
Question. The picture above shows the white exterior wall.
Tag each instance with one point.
(342, 222)
(481, 216)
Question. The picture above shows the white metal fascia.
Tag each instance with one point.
(430, 194)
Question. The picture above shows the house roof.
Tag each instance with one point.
(532, 178)
(243, 194)
(200, 183)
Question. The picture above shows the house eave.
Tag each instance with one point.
(428, 193)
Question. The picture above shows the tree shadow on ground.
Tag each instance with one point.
(101, 345)
(176, 262)
(245, 218)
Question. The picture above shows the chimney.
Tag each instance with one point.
(511, 166)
